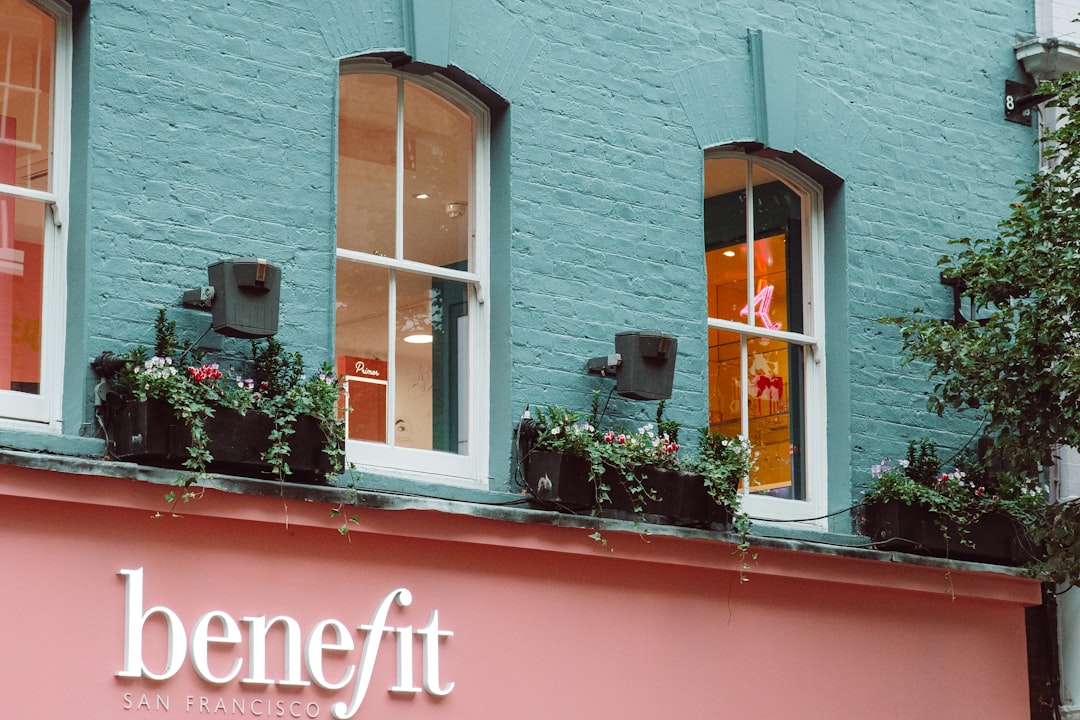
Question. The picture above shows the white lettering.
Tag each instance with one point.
(160, 702)
(257, 641)
(405, 682)
(431, 635)
(201, 639)
(362, 370)
(327, 639)
(135, 621)
(374, 631)
(313, 654)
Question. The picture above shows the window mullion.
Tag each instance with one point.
(399, 153)
(411, 266)
(760, 331)
(744, 399)
(8, 65)
(750, 291)
(399, 253)
(48, 198)
(391, 360)
(744, 359)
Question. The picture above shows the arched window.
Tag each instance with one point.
(763, 255)
(412, 246)
(35, 39)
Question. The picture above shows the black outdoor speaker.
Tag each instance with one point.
(247, 293)
(647, 366)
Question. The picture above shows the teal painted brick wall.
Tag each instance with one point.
(208, 140)
(210, 133)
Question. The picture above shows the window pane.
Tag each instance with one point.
(22, 253)
(367, 163)
(431, 363)
(773, 407)
(439, 137)
(363, 307)
(774, 380)
(776, 276)
(27, 48)
(725, 237)
(725, 406)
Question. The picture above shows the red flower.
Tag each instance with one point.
(206, 372)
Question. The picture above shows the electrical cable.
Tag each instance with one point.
(195, 344)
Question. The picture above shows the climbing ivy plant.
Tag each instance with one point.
(1017, 365)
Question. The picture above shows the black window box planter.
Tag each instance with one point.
(150, 433)
(914, 529)
(559, 481)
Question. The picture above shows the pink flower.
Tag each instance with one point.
(609, 436)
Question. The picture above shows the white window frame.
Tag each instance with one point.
(764, 508)
(43, 410)
(468, 469)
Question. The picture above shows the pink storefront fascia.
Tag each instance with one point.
(241, 606)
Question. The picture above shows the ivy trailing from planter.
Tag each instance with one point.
(287, 394)
(724, 463)
(190, 397)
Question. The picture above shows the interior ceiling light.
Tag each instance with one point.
(416, 328)
(729, 253)
(421, 196)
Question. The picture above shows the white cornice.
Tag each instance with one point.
(1048, 58)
